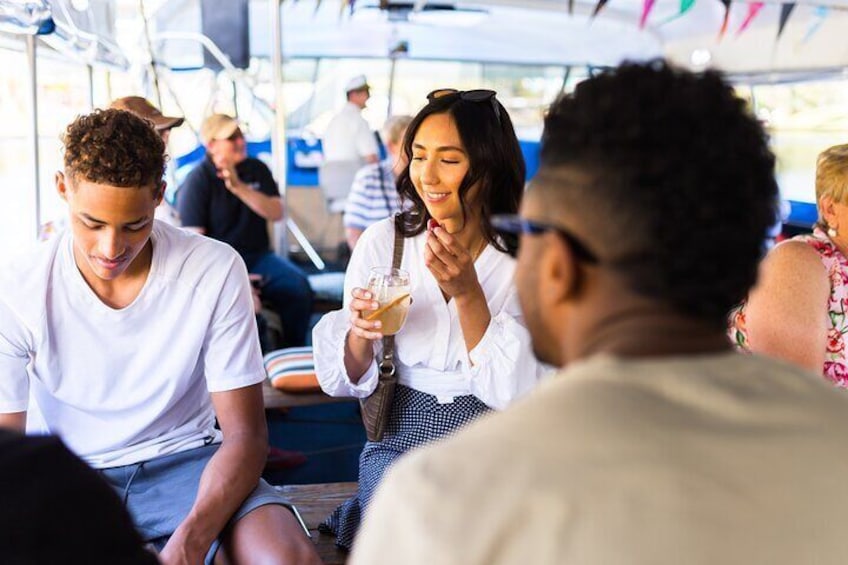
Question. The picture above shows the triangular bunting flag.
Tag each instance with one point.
(753, 9)
(647, 6)
(819, 16)
(785, 12)
(723, 29)
(684, 7)
(598, 7)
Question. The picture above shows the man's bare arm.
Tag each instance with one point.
(13, 421)
(229, 477)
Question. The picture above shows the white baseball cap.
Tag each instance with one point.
(359, 82)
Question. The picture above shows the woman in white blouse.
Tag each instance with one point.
(464, 349)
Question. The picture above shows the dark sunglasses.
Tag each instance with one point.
(514, 224)
(236, 135)
(478, 95)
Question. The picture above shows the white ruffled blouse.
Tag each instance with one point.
(430, 351)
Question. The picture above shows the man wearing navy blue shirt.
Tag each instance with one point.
(231, 197)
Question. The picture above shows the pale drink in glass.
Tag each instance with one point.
(390, 288)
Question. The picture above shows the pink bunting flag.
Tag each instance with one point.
(647, 6)
(753, 9)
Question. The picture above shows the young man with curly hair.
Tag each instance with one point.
(657, 443)
(127, 337)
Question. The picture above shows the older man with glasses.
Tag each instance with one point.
(230, 197)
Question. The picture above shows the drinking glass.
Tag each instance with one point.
(390, 288)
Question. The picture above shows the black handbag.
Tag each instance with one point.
(376, 407)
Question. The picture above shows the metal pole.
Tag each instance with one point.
(33, 109)
(278, 127)
(90, 70)
(315, 75)
(109, 86)
(279, 151)
(391, 86)
(565, 75)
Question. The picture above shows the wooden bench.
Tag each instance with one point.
(316, 502)
(274, 398)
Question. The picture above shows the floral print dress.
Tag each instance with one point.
(836, 264)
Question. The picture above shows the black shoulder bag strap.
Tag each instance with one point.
(387, 363)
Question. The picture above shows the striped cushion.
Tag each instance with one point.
(292, 370)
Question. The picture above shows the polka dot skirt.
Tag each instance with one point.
(416, 419)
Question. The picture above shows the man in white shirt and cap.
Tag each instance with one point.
(348, 144)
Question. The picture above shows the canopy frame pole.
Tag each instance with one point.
(278, 141)
(33, 133)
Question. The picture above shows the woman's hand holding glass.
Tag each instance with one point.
(381, 308)
(362, 305)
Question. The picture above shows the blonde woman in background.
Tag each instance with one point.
(797, 311)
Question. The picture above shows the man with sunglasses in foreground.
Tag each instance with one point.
(230, 197)
(657, 443)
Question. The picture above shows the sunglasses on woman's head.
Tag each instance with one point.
(478, 95)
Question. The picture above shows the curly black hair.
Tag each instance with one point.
(682, 190)
(495, 160)
(114, 147)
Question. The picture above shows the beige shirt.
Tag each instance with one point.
(715, 459)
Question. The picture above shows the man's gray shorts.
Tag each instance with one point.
(160, 492)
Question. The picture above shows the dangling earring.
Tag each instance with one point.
(831, 233)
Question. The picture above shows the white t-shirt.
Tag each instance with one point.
(122, 386)
(348, 136)
(430, 350)
(709, 459)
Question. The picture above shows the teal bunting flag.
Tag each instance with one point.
(819, 16)
(685, 6)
